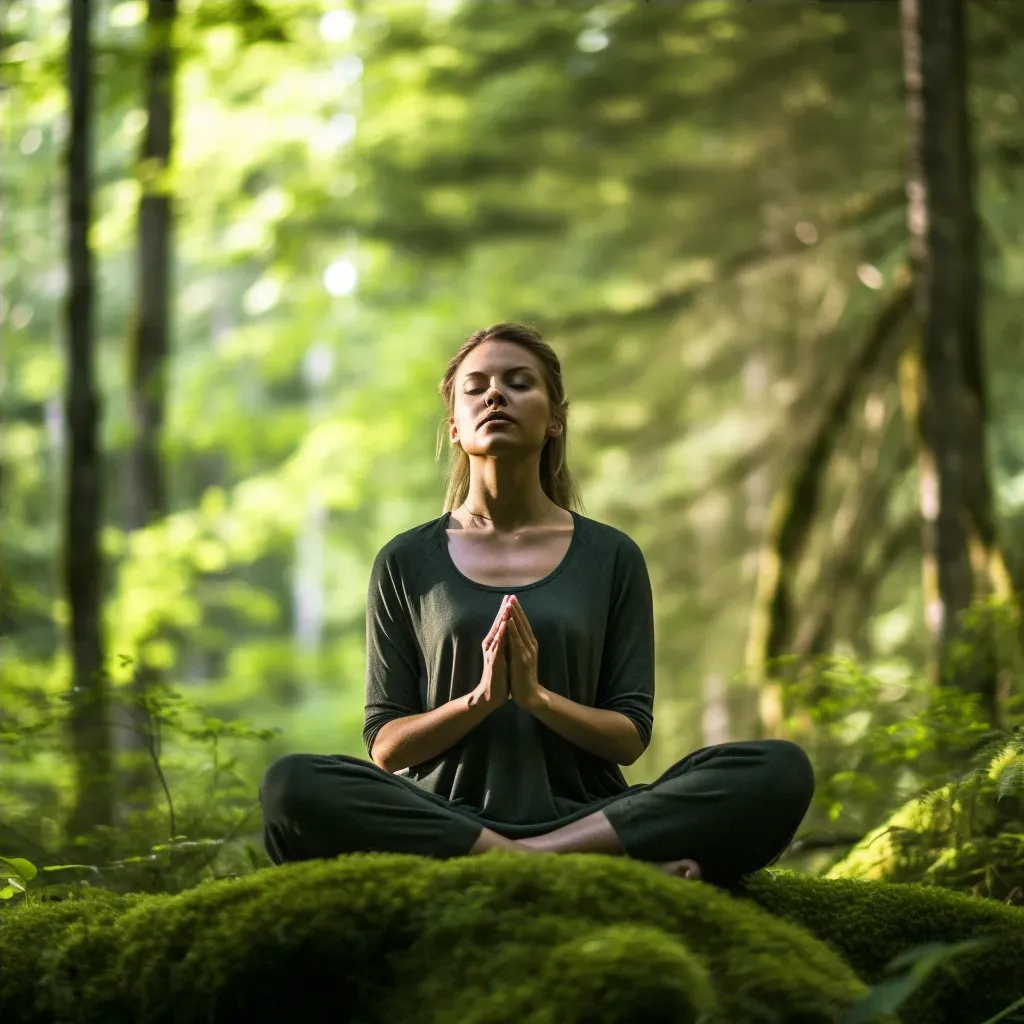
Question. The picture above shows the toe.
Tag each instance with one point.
(682, 869)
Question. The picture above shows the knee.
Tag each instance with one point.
(790, 769)
(282, 785)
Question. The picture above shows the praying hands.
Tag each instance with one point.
(524, 686)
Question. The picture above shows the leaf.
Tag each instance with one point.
(25, 868)
(1004, 1013)
(890, 994)
(68, 867)
(928, 956)
(6, 893)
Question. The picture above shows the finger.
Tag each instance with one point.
(498, 637)
(513, 635)
(517, 610)
(522, 621)
(497, 622)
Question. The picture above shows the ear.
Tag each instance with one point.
(453, 431)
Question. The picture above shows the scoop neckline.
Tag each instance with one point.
(446, 518)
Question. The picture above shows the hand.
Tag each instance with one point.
(493, 688)
(523, 683)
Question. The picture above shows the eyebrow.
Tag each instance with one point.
(514, 369)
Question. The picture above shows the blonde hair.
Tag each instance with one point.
(555, 478)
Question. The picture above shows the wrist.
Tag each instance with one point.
(538, 701)
(478, 703)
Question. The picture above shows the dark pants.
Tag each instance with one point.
(733, 808)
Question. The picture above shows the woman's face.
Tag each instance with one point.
(501, 377)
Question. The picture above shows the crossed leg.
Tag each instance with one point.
(592, 834)
(719, 813)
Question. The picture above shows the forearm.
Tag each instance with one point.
(414, 739)
(600, 732)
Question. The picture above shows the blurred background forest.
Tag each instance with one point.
(233, 270)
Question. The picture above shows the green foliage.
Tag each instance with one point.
(203, 828)
(654, 186)
(967, 834)
(879, 732)
(909, 775)
(15, 874)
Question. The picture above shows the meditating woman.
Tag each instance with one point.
(510, 672)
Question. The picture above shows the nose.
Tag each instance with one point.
(493, 395)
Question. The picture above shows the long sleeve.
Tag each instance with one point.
(393, 659)
(626, 682)
(594, 622)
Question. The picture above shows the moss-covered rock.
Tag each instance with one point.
(484, 940)
(870, 923)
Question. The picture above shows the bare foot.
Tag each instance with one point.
(681, 869)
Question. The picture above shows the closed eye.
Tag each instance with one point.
(476, 391)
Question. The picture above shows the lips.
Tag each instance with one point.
(499, 417)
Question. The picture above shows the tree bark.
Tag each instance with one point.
(148, 354)
(955, 488)
(89, 698)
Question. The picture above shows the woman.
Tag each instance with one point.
(510, 672)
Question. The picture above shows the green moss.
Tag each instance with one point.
(34, 940)
(543, 969)
(869, 923)
(499, 939)
(484, 907)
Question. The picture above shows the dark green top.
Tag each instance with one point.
(594, 623)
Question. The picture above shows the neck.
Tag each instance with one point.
(507, 503)
(485, 509)
(506, 519)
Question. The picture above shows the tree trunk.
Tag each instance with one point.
(148, 356)
(792, 515)
(956, 499)
(89, 698)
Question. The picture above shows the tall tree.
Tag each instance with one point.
(955, 491)
(149, 342)
(89, 698)
(795, 507)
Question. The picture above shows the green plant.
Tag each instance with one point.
(15, 874)
(202, 830)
